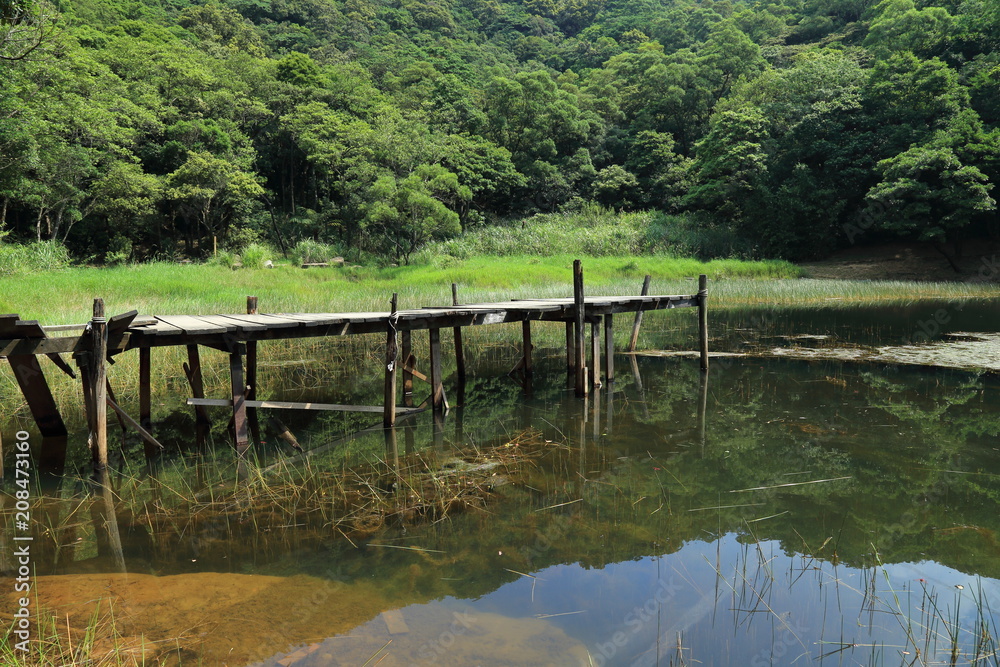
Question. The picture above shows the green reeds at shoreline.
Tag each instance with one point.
(66, 296)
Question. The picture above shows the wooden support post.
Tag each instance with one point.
(703, 320)
(570, 356)
(240, 427)
(595, 419)
(459, 353)
(595, 353)
(252, 417)
(45, 412)
(391, 352)
(408, 362)
(437, 384)
(609, 348)
(578, 330)
(99, 387)
(638, 318)
(192, 370)
(527, 347)
(145, 401)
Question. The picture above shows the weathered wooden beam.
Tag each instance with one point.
(595, 354)
(638, 317)
(98, 361)
(391, 353)
(459, 352)
(146, 436)
(253, 422)
(409, 365)
(293, 405)
(703, 320)
(30, 378)
(240, 427)
(609, 348)
(526, 347)
(578, 330)
(283, 433)
(408, 368)
(570, 352)
(145, 400)
(437, 382)
(192, 370)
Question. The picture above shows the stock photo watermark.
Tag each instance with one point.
(22, 541)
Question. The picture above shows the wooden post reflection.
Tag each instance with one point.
(702, 408)
(637, 378)
(102, 512)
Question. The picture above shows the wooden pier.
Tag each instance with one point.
(99, 341)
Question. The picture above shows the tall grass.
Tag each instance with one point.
(32, 257)
(595, 231)
(58, 297)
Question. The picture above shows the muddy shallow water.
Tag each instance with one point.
(780, 511)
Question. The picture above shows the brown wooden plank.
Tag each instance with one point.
(220, 321)
(313, 319)
(279, 321)
(193, 325)
(120, 322)
(162, 328)
(291, 405)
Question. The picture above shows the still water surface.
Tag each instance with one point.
(778, 512)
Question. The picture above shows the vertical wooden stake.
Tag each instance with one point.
(596, 416)
(581, 371)
(391, 353)
(527, 347)
(638, 318)
(252, 418)
(239, 402)
(407, 357)
(609, 348)
(99, 379)
(437, 385)
(459, 353)
(595, 353)
(703, 319)
(570, 355)
(203, 423)
(145, 401)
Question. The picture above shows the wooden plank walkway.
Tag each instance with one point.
(238, 334)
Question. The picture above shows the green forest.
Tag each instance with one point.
(133, 130)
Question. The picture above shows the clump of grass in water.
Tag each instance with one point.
(356, 501)
(55, 643)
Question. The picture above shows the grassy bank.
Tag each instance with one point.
(63, 296)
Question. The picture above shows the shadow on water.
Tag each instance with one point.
(771, 513)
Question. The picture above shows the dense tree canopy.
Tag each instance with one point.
(379, 125)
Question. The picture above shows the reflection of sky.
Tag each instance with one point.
(730, 603)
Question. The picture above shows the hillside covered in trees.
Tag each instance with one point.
(135, 129)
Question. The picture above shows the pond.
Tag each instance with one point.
(786, 509)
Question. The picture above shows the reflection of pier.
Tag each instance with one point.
(96, 343)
